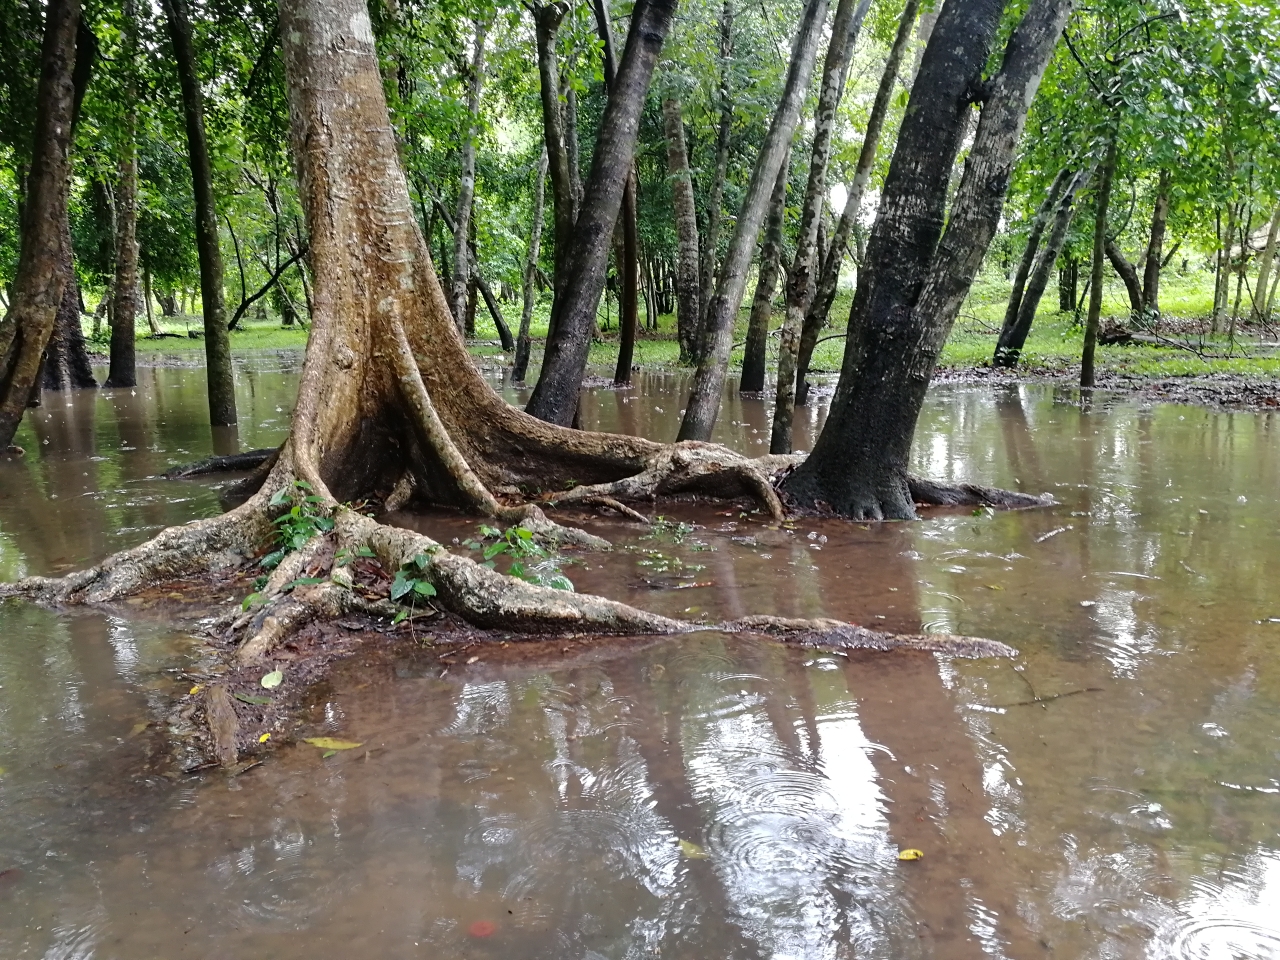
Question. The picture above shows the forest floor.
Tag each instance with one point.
(1178, 361)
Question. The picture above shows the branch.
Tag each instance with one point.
(247, 302)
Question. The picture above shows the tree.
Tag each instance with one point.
(754, 354)
(217, 342)
(688, 310)
(122, 372)
(467, 181)
(41, 278)
(917, 273)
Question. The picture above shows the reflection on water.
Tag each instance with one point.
(1115, 792)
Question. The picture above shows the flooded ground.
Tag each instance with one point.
(1115, 792)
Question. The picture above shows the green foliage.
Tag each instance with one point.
(530, 561)
(307, 517)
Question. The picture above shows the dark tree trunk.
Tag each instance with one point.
(715, 195)
(528, 282)
(462, 289)
(122, 371)
(1154, 259)
(469, 310)
(555, 398)
(807, 264)
(41, 277)
(564, 201)
(717, 332)
(682, 201)
(1261, 306)
(1129, 275)
(217, 340)
(820, 307)
(753, 359)
(1068, 282)
(916, 276)
(1102, 200)
(1047, 209)
(1013, 335)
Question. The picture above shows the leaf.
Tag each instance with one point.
(329, 743)
(494, 549)
(400, 585)
(910, 854)
(365, 552)
(560, 582)
(327, 754)
(424, 589)
(400, 617)
(273, 679)
(250, 698)
(196, 689)
(264, 738)
(250, 600)
(692, 850)
(280, 497)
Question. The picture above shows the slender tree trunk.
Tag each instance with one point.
(153, 326)
(467, 181)
(806, 265)
(916, 274)
(529, 280)
(686, 214)
(1129, 275)
(1048, 209)
(1013, 336)
(1222, 287)
(1101, 202)
(753, 359)
(717, 333)
(555, 398)
(41, 278)
(1154, 258)
(829, 280)
(1260, 304)
(715, 195)
(122, 371)
(217, 339)
(564, 201)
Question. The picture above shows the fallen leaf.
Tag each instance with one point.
(196, 689)
(910, 854)
(138, 728)
(273, 679)
(250, 698)
(692, 850)
(472, 660)
(994, 586)
(328, 753)
(329, 743)
(1, 771)
(264, 738)
(482, 928)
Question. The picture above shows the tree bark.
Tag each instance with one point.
(720, 170)
(1013, 336)
(829, 280)
(1154, 260)
(753, 360)
(1261, 308)
(1101, 202)
(1129, 275)
(564, 201)
(717, 332)
(807, 264)
(688, 293)
(917, 274)
(555, 398)
(1047, 209)
(529, 280)
(217, 339)
(122, 370)
(40, 280)
(467, 181)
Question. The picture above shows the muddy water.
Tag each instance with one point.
(1115, 792)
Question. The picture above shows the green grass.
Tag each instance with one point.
(1054, 344)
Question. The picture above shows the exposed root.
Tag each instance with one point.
(617, 507)
(289, 613)
(688, 466)
(971, 495)
(232, 463)
(838, 635)
(223, 724)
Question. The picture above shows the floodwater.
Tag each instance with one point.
(1112, 793)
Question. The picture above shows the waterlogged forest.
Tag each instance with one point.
(616, 479)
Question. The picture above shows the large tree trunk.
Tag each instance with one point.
(555, 398)
(820, 305)
(217, 339)
(1154, 259)
(720, 171)
(916, 274)
(1013, 336)
(41, 276)
(717, 331)
(806, 264)
(1128, 275)
(1101, 202)
(528, 285)
(688, 311)
(467, 182)
(122, 371)
(755, 352)
(1261, 310)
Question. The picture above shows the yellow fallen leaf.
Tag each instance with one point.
(910, 854)
(138, 728)
(692, 850)
(329, 743)
(196, 689)
(264, 738)
(1, 771)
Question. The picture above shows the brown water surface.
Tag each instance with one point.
(1114, 792)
